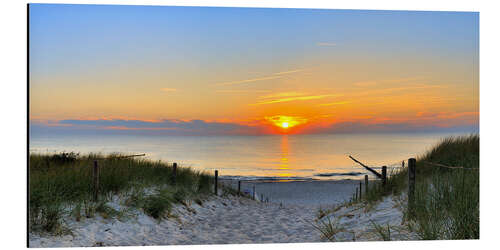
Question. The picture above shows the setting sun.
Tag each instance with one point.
(286, 122)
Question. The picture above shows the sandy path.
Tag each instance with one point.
(245, 221)
(218, 221)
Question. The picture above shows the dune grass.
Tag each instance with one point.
(383, 231)
(62, 183)
(446, 199)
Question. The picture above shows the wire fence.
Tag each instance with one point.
(449, 167)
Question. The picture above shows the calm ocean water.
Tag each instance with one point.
(271, 156)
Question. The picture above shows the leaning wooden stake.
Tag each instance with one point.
(367, 168)
(216, 180)
(384, 175)
(174, 174)
(96, 180)
(239, 188)
(412, 165)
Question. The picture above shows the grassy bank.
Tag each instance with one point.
(446, 199)
(61, 184)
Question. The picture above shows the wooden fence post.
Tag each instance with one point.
(366, 184)
(174, 174)
(384, 175)
(403, 164)
(216, 180)
(356, 195)
(96, 180)
(239, 188)
(253, 195)
(412, 164)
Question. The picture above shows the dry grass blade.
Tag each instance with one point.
(328, 229)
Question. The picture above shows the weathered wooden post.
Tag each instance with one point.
(174, 173)
(403, 164)
(356, 195)
(253, 194)
(216, 180)
(366, 184)
(384, 175)
(360, 188)
(96, 180)
(239, 188)
(412, 165)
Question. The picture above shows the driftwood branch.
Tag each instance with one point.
(120, 157)
(129, 156)
(368, 168)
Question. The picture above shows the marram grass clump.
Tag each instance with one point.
(62, 183)
(446, 198)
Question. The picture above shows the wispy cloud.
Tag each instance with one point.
(326, 44)
(276, 75)
(231, 91)
(334, 103)
(396, 80)
(282, 94)
(292, 98)
(403, 79)
(168, 90)
(289, 72)
(399, 89)
(249, 80)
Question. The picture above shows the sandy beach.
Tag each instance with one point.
(308, 193)
(289, 216)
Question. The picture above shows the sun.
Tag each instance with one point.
(285, 123)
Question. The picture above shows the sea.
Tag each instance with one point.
(266, 157)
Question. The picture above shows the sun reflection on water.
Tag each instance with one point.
(284, 164)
